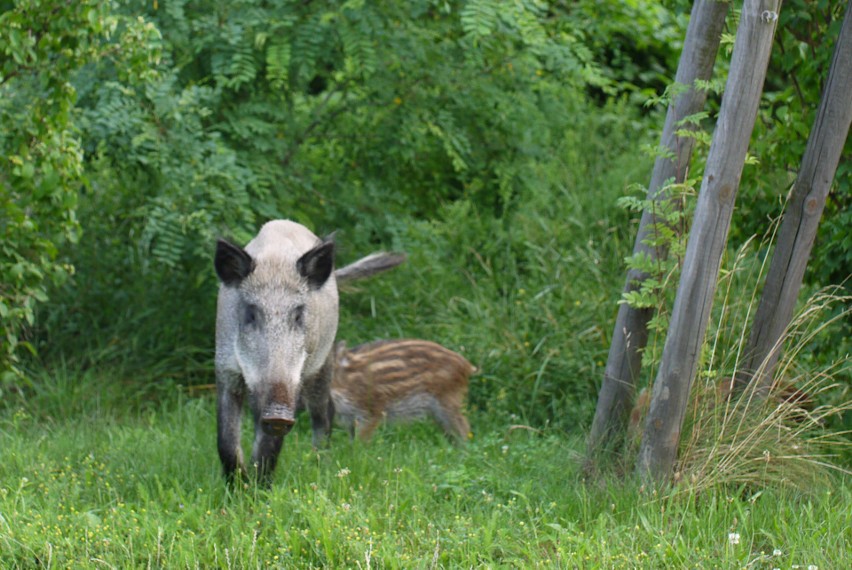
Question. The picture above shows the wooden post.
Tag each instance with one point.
(707, 239)
(631, 326)
(801, 218)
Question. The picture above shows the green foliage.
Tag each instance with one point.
(461, 132)
(636, 43)
(525, 296)
(42, 44)
(667, 236)
(671, 209)
(801, 57)
(798, 68)
(363, 117)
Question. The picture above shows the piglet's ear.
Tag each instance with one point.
(317, 264)
(232, 262)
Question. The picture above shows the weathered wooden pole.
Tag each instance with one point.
(801, 218)
(631, 326)
(707, 239)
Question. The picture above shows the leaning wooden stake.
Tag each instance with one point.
(631, 326)
(707, 239)
(801, 218)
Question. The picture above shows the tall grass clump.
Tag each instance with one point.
(785, 436)
(790, 435)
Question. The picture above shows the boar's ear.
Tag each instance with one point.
(317, 264)
(233, 264)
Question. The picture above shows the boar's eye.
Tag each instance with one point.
(250, 316)
(297, 317)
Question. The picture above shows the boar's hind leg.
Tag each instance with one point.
(229, 409)
(320, 405)
(320, 423)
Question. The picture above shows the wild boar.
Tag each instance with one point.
(400, 380)
(276, 321)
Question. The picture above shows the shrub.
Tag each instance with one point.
(42, 45)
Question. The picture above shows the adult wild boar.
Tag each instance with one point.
(276, 321)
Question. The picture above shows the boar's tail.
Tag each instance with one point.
(370, 265)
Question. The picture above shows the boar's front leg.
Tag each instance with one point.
(265, 453)
(229, 410)
(266, 447)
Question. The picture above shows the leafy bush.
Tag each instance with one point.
(370, 118)
(525, 296)
(42, 44)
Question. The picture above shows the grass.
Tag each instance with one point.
(135, 482)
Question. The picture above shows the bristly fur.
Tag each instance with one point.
(400, 380)
(277, 315)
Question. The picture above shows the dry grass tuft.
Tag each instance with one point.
(780, 438)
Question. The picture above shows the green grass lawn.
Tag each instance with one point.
(92, 477)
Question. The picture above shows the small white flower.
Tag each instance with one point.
(346, 506)
(734, 538)
(777, 552)
(343, 473)
(813, 567)
(505, 449)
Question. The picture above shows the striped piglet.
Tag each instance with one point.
(400, 380)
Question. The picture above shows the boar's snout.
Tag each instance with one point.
(277, 420)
